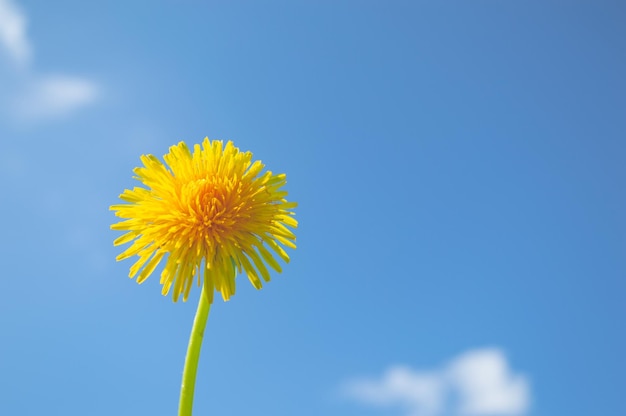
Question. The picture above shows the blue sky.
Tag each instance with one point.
(460, 171)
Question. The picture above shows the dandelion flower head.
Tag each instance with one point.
(209, 215)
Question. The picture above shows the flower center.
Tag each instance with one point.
(212, 208)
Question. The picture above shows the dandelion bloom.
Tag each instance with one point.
(209, 213)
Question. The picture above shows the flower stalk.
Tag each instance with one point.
(192, 358)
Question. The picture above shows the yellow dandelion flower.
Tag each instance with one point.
(209, 214)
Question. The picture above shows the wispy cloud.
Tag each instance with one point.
(13, 33)
(36, 96)
(54, 96)
(477, 383)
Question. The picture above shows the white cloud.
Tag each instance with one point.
(54, 96)
(416, 393)
(38, 97)
(13, 32)
(477, 383)
(486, 386)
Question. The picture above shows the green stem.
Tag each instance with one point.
(185, 404)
